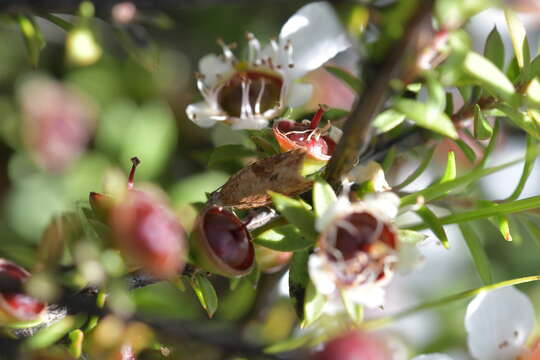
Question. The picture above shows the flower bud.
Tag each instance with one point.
(308, 136)
(221, 243)
(270, 261)
(101, 204)
(354, 346)
(17, 308)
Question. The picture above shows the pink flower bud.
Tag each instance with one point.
(354, 346)
(222, 244)
(15, 306)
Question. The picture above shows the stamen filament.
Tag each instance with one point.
(134, 161)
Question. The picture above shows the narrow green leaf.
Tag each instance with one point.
(296, 213)
(419, 170)
(426, 116)
(494, 48)
(482, 129)
(431, 220)
(288, 344)
(488, 75)
(528, 165)
(450, 171)
(283, 238)
(206, 293)
(521, 120)
(299, 280)
(387, 120)
(58, 21)
(33, 37)
(436, 93)
(313, 304)
(270, 148)
(323, 197)
(491, 144)
(478, 254)
(354, 310)
(352, 81)
(518, 35)
(535, 68)
(389, 159)
(410, 237)
(49, 335)
(469, 153)
(501, 222)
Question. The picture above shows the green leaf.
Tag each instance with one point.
(58, 21)
(296, 213)
(313, 304)
(354, 310)
(419, 170)
(431, 220)
(478, 254)
(535, 68)
(410, 236)
(323, 197)
(206, 293)
(436, 93)
(494, 48)
(230, 152)
(492, 144)
(469, 153)
(488, 75)
(49, 335)
(335, 113)
(528, 165)
(76, 338)
(518, 35)
(482, 129)
(283, 238)
(427, 116)
(501, 222)
(352, 81)
(33, 38)
(389, 159)
(450, 171)
(387, 120)
(299, 280)
(521, 120)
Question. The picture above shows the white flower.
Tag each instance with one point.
(247, 94)
(358, 251)
(498, 324)
(371, 171)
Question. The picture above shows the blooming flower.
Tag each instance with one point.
(498, 324)
(248, 93)
(359, 249)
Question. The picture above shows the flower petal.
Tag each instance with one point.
(202, 114)
(316, 36)
(338, 209)
(213, 67)
(385, 203)
(256, 122)
(371, 295)
(299, 94)
(434, 356)
(372, 171)
(322, 277)
(498, 324)
(410, 258)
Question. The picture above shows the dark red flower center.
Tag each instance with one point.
(263, 91)
(25, 305)
(228, 238)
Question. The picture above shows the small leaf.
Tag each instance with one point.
(478, 254)
(313, 304)
(33, 37)
(410, 236)
(501, 222)
(426, 116)
(436, 94)
(389, 159)
(492, 143)
(521, 120)
(283, 238)
(469, 153)
(533, 93)
(206, 293)
(299, 280)
(431, 220)
(450, 171)
(352, 81)
(518, 35)
(296, 213)
(488, 76)
(47, 336)
(354, 309)
(528, 165)
(76, 338)
(419, 170)
(482, 129)
(387, 120)
(270, 148)
(494, 48)
(323, 197)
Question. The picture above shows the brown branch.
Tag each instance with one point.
(400, 64)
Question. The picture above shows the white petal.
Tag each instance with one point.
(434, 356)
(316, 36)
(250, 123)
(410, 258)
(385, 203)
(339, 209)
(498, 323)
(202, 114)
(372, 171)
(371, 295)
(321, 276)
(299, 94)
(211, 66)
(335, 133)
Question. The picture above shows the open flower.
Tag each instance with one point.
(498, 324)
(359, 249)
(248, 93)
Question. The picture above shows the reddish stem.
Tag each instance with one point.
(134, 161)
(317, 117)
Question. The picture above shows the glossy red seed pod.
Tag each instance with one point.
(353, 346)
(16, 306)
(221, 243)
